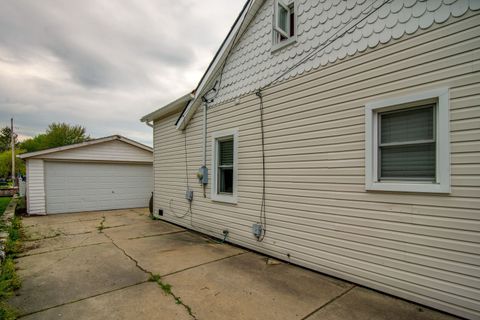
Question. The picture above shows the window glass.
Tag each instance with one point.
(225, 166)
(415, 162)
(407, 125)
(282, 18)
(407, 144)
(225, 152)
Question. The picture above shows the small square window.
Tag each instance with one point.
(406, 148)
(284, 22)
(224, 164)
(407, 143)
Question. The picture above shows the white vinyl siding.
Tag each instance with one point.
(35, 186)
(422, 247)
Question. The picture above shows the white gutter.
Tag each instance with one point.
(171, 107)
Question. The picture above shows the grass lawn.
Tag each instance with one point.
(4, 201)
(9, 280)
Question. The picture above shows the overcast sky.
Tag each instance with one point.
(103, 64)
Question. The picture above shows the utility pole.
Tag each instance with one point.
(12, 135)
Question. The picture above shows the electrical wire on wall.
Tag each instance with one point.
(263, 214)
(218, 83)
(217, 87)
(331, 39)
(189, 211)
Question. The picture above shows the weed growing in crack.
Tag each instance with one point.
(154, 278)
(167, 289)
(101, 226)
(153, 217)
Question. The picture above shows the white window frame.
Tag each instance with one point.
(276, 30)
(442, 131)
(216, 137)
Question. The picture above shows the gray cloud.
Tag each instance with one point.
(103, 64)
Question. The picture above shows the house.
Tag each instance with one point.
(101, 174)
(342, 136)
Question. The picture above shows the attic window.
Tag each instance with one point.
(284, 22)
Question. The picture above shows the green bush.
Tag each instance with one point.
(14, 243)
(9, 280)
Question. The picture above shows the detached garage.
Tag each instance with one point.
(102, 174)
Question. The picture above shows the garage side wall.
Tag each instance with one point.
(35, 186)
(422, 247)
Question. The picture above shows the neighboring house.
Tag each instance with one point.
(369, 118)
(102, 174)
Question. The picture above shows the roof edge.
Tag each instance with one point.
(85, 144)
(243, 18)
(172, 106)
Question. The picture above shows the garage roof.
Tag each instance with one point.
(84, 144)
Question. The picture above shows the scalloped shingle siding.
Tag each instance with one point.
(252, 65)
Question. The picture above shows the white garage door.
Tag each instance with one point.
(74, 187)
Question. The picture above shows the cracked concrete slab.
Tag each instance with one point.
(62, 243)
(174, 252)
(59, 277)
(127, 217)
(365, 304)
(153, 228)
(246, 287)
(70, 276)
(69, 217)
(145, 301)
(49, 230)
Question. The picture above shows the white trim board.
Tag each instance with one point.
(215, 196)
(442, 184)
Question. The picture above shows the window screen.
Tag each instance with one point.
(407, 148)
(225, 166)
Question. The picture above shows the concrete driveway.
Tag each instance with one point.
(97, 265)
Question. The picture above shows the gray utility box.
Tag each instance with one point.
(257, 230)
(189, 195)
(203, 175)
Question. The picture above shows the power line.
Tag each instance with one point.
(329, 41)
(219, 82)
(335, 36)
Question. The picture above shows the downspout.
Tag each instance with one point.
(205, 134)
(204, 170)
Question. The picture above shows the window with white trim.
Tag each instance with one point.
(224, 147)
(284, 23)
(407, 143)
